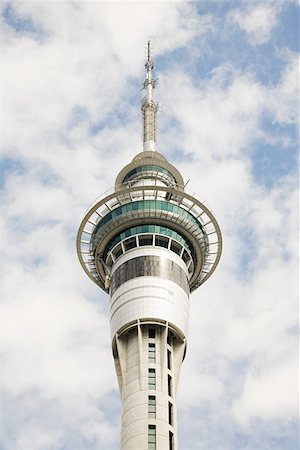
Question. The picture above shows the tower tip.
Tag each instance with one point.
(149, 107)
(149, 63)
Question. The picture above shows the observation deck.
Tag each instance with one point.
(149, 207)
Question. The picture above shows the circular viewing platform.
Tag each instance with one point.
(152, 215)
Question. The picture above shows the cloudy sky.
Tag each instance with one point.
(71, 76)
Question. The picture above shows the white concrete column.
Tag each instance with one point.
(133, 359)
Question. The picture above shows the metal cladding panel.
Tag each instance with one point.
(149, 265)
(149, 297)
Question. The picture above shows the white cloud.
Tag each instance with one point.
(258, 22)
(284, 99)
(271, 395)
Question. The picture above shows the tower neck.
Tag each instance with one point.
(149, 107)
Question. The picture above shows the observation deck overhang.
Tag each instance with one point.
(206, 239)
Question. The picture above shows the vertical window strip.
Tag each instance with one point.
(152, 406)
(151, 352)
(169, 358)
(151, 437)
(170, 414)
(151, 379)
(170, 385)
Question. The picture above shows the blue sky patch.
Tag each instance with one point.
(22, 25)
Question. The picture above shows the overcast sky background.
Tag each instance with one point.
(71, 77)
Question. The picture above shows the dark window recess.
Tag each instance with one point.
(161, 241)
(185, 256)
(170, 413)
(146, 240)
(169, 356)
(118, 251)
(130, 243)
(171, 440)
(151, 332)
(176, 248)
(170, 385)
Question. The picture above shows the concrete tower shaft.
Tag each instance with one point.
(148, 244)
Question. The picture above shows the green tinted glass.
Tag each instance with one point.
(147, 168)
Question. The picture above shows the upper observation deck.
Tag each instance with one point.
(149, 208)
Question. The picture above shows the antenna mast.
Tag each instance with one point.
(149, 107)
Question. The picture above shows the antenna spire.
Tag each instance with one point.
(149, 107)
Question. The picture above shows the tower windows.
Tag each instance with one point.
(151, 352)
(186, 257)
(118, 251)
(161, 241)
(152, 406)
(171, 440)
(151, 437)
(146, 239)
(170, 413)
(169, 358)
(130, 243)
(175, 247)
(151, 333)
(170, 385)
(151, 379)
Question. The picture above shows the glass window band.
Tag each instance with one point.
(146, 205)
(147, 168)
(141, 229)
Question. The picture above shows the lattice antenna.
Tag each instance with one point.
(149, 107)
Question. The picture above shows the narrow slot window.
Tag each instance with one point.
(170, 414)
(169, 338)
(169, 357)
(151, 352)
(151, 437)
(171, 440)
(170, 385)
(151, 406)
(151, 379)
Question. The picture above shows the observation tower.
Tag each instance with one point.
(148, 244)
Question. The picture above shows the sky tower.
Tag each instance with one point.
(149, 244)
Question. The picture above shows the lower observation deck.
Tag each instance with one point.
(122, 213)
